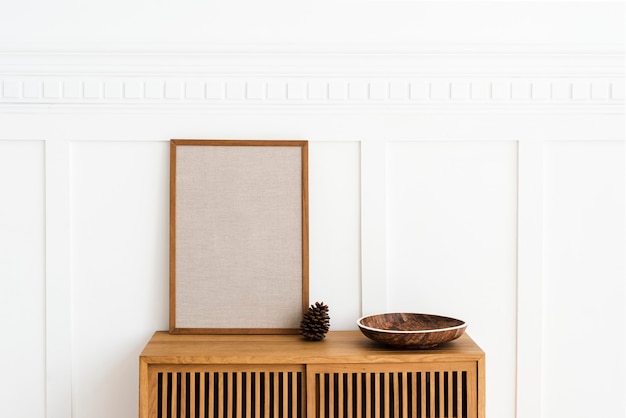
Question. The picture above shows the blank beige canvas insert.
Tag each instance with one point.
(239, 236)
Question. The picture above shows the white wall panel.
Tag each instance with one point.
(451, 211)
(334, 224)
(58, 280)
(22, 279)
(584, 268)
(120, 247)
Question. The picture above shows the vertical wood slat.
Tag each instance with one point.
(211, 394)
(349, 395)
(396, 395)
(459, 394)
(386, 382)
(359, 395)
(331, 395)
(239, 394)
(322, 396)
(368, 396)
(340, 410)
(431, 401)
(220, 394)
(423, 394)
(191, 390)
(276, 406)
(174, 394)
(267, 387)
(202, 395)
(414, 380)
(376, 389)
(450, 394)
(405, 394)
(183, 394)
(249, 395)
(164, 398)
(285, 403)
(232, 389)
(257, 395)
(229, 385)
(441, 391)
(294, 395)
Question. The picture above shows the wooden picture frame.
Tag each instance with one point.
(238, 236)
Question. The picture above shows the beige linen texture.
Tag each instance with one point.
(238, 237)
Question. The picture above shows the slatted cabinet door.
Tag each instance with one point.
(220, 391)
(419, 390)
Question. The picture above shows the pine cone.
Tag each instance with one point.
(316, 322)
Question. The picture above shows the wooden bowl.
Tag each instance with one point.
(411, 330)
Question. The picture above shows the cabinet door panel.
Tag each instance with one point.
(226, 391)
(442, 390)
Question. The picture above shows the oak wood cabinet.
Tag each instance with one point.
(285, 376)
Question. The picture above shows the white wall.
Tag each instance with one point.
(465, 159)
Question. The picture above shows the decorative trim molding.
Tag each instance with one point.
(568, 81)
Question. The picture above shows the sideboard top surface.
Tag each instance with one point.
(339, 347)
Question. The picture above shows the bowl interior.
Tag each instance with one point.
(409, 322)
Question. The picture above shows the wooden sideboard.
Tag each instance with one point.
(284, 376)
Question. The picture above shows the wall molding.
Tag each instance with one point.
(466, 79)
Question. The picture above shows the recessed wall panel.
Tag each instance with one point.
(334, 229)
(583, 302)
(120, 241)
(22, 278)
(451, 249)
